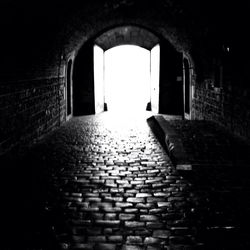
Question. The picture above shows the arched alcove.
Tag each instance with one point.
(127, 78)
(69, 88)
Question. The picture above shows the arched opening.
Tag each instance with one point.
(187, 88)
(69, 88)
(127, 78)
(165, 69)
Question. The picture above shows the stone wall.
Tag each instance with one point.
(228, 106)
(29, 110)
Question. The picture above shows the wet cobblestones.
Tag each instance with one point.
(108, 184)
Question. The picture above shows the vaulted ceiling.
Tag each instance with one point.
(44, 30)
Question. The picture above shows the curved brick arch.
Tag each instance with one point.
(170, 68)
(39, 37)
(132, 35)
(157, 21)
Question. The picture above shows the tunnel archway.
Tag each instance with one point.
(170, 90)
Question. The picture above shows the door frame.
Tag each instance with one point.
(98, 64)
(155, 54)
(68, 87)
(187, 72)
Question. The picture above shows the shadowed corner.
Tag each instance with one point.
(24, 216)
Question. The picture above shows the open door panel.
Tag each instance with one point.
(99, 79)
(155, 78)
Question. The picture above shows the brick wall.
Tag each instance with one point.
(29, 110)
(229, 107)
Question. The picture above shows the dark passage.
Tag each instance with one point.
(71, 179)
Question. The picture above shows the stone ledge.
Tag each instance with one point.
(171, 141)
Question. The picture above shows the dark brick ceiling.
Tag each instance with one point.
(48, 28)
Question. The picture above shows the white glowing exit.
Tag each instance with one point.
(126, 78)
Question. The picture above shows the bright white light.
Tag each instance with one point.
(127, 78)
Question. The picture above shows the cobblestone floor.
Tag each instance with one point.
(99, 183)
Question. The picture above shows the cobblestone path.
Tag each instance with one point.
(114, 187)
(100, 183)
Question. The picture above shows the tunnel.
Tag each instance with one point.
(171, 175)
(202, 72)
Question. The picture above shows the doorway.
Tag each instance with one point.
(126, 79)
(69, 89)
(187, 88)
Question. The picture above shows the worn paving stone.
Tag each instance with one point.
(134, 240)
(149, 218)
(152, 241)
(131, 247)
(105, 246)
(127, 217)
(134, 224)
(115, 238)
